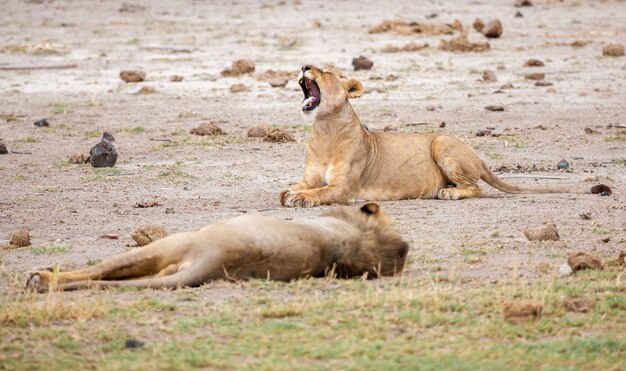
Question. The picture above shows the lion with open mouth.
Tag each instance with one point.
(344, 162)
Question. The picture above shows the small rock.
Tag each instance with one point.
(278, 83)
(431, 108)
(148, 234)
(207, 129)
(277, 135)
(146, 204)
(563, 164)
(478, 25)
(482, 133)
(493, 29)
(534, 63)
(545, 232)
(582, 260)
(578, 305)
(551, 90)
(519, 14)
(78, 158)
(108, 136)
(146, 90)
(585, 215)
(257, 132)
(519, 3)
(132, 76)
(591, 131)
(565, 269)
(508, 85)
(239, 67)
(133, 343)
(521, 311)
(109, 236)
(239, 88)
(362, 63)
(580, 43)
(41, 123)
(169, 210)
(3, 149)
(494, 108)
(176, 78)
(613, 50)
(535, 76)
(316, 24)
(543, 83)
(103, 154)
(20, 238)
(463, 45)
(489, 76)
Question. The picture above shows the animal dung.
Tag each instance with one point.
(147, 234)
(78, 158)
(613, 50)
(257, 132)
(20, 238)
(207, 129)
(545, 232)
(41, 123)
(239, 67)
(582, 260)
(362, 63)
(519, 312)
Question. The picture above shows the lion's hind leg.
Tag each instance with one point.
(460, 165)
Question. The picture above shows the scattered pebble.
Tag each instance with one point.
(545, 232)
(519, 3)
(534, 63)
(362, 63)
(580, 43)
(410, 47)
(585, 215)
(563, 164)
(591, 131)
(508, 85)
(492, 29)
(494, 108)
(78, 158)
(207, 129)
(239, 88)
(431, 108)
(521, 311)
(20, 238)
(543, 83)
(103, 154)
(478, 25)
(565, 269)
(277, 135)
(257, 132)
(613, 50)
(146, 204)
(176, 78)
(582, 260)
(519, 14)
(132, 76)
(3, 149)
(133, 343)
(483, 132)
(316, 24)
(489, 76)
(461, 44)
(147, 234)
(239, 67)
(578, 304)
(535, 76)
(41, 123)
(278, 82)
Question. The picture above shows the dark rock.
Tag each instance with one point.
(103, 154)
(482, 133)
(563, 164)
(489, 76)
(41, 123)
(534, 63)
(493, 29)
(519, 3)
(519, 14)
(362, 63)
(602, 190)
(543, 83)
(132, 76)
(494, 108)
(3, 149)
(133, 343)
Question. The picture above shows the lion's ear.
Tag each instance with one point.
(370, 208)
(353, 87)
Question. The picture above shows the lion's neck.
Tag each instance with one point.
(340, 120)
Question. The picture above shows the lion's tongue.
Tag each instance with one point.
(308, 102)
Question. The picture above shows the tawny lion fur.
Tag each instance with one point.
(344, 162)
(344, 241)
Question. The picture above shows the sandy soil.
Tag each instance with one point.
(199, 180)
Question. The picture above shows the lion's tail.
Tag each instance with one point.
(492, 179)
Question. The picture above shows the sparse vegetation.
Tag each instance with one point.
(49, 249)
(612, 138)
(60, 108)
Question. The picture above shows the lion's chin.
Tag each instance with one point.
(308, 116)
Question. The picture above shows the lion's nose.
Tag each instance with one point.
(305, 68)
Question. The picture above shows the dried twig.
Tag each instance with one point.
(419, 123)
(162, 139)
(21, 152)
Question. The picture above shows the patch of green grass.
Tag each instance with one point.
(92, 262)
(495, 156)
(8, 117)
(60, 108)
(132, 130)
(620, 161)
(48, 189)
(93, 133)
(231, 175)
(49, 249)
(173, 173)
(612, 138)
(29, 140)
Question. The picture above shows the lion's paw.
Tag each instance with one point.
(448, 194)
(34, 282)
(297, 199)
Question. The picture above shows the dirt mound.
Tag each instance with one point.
(462, 45)
(276, 135)
(239, 67)
(239, 88)
(132, 76)
(270, 75)
(362, 63)
(545, 232)
(257, 131)
(410, 47)
(521, 311)
(613, 50)
(582, 260)
(207, 129)
(147, 234)
(78, 158)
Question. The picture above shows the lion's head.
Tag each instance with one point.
(382, 252)
(323, 91)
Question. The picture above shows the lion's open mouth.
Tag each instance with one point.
(311, 92)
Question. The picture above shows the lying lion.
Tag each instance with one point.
(345, 241)
(345, 162)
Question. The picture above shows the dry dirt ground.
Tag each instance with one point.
(199, 180)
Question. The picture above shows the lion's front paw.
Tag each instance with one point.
(448, 194)
(35, 282)
(297, 199)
